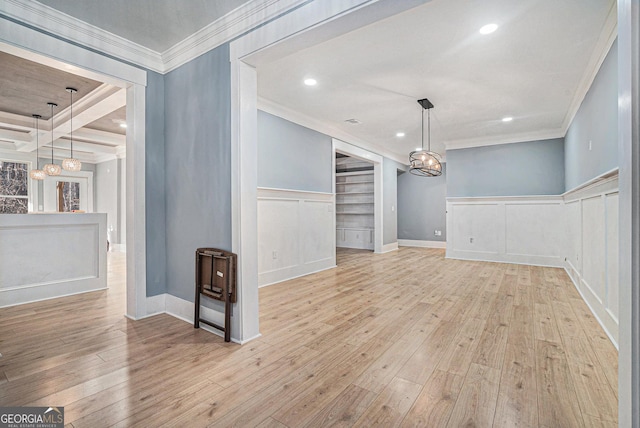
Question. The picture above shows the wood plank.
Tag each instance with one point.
(557, 400)
(392, 404)
(345, 409)
(476, 403)
(435, 403)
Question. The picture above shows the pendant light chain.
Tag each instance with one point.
(71, 120)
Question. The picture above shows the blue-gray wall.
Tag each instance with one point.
(390, 200)
(197, 164)
(595, 121)
(422, 206)
(155, 200)
(529, 168)
(291, 156)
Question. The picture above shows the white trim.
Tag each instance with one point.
(56, 22)
(607, 36)
(321, 267)
(387, 248)
(183, 310)
(567, 268)
(421, 244)
(505, 139)
(327, 129)
(156, 304)
(62, 55)
(225, 28)
(273, 192)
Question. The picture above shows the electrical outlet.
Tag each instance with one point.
(471, 240)
(275, 255)
(437, 233)
(590, 145)
(393, 208)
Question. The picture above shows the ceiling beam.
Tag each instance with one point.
(15, 136)
(99, 103)
(102, 137)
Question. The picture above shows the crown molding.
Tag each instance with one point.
(505, 139)
(224, 29)
(55, 22)
(607, 36)
(327, 129)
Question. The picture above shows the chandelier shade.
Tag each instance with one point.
(52, 168)
(70, 163)
(37, 173)
(425, 163)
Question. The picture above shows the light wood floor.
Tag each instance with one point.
(405, 338)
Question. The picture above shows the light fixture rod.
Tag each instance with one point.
(71, 92)
(37, 117)
(52, 105)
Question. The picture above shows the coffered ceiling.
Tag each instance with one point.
(98, 110)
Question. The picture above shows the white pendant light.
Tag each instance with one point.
(52, 168)
(70, 163)
(425, 163)
(37, 173)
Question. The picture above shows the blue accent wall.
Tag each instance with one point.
(291, 156)
(518, 169)
(197, 164)
(155, 200)
(595, 121)
(422, 206)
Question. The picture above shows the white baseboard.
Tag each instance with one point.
(285, 274)
(604, 318)
(389, 247)
(517, 259)
(183, 310)
(421, 244)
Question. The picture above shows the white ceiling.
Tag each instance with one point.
(534, 68)
(155, 24)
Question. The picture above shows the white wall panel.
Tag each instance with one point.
(296, 234)
(577, 231)
(516, 230)
(611, 206)
(534, 229)
(60, 254)
(593, 246)
(318, 219)
(475, 228)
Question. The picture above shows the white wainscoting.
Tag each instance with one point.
(43, 256)
(296, 234)
(577, 231)
(526, 230)
(592, 256)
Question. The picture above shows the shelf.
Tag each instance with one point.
(354, 193)
(349, 173)
(354, 203)
(354, 228)
(353, 182)
(354, 213)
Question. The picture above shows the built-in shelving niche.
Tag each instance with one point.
(354, 203)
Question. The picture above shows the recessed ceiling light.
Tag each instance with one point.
(400, 134)
(310, 82)
(123, 125)
(507, 119)
(488, 29)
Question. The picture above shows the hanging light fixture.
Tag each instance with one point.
(52, 168)
(37, 174)
(71, 164)
(423, 162)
